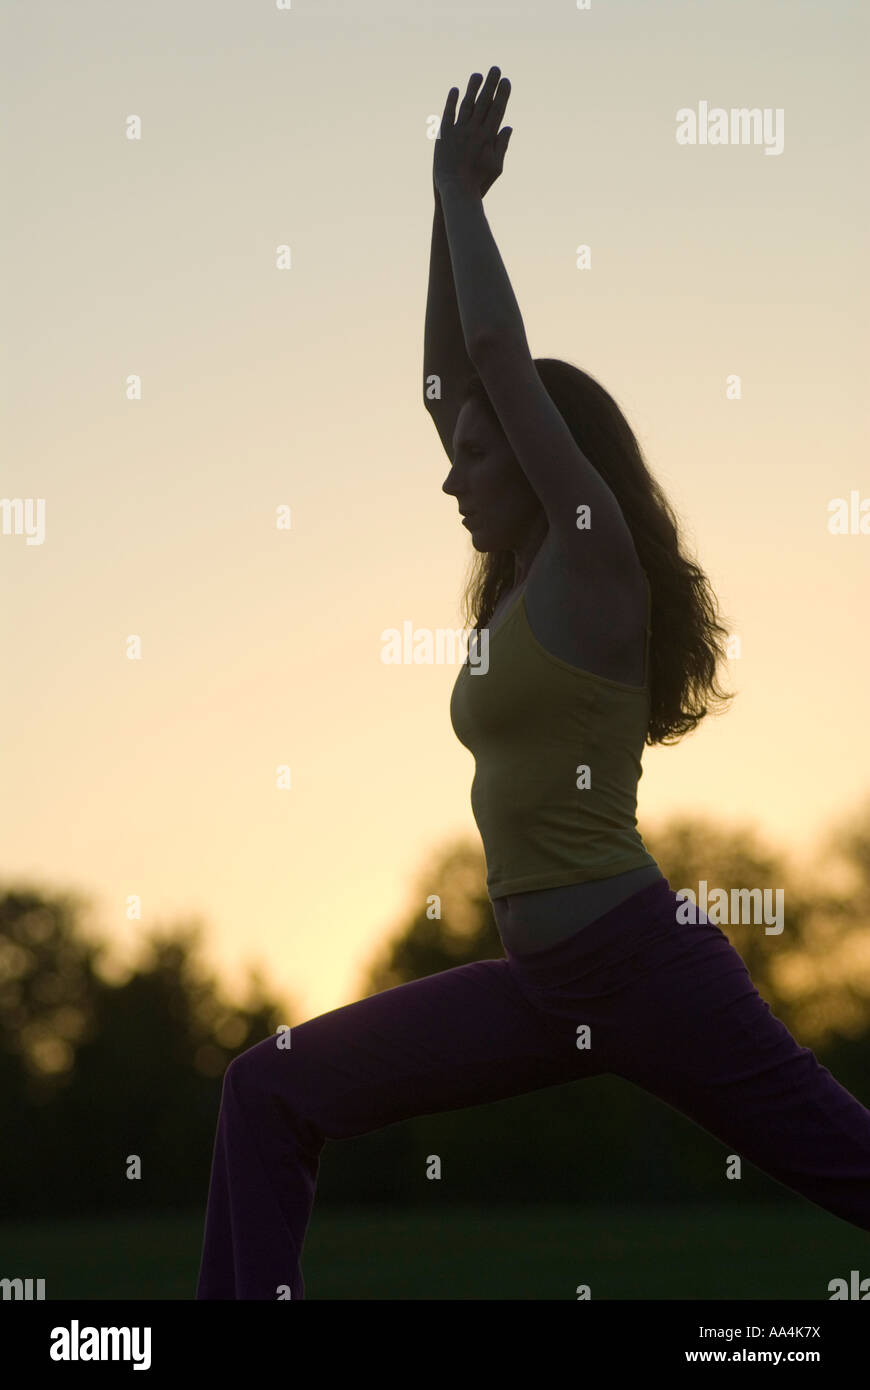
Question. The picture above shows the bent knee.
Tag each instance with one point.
(257, 1073)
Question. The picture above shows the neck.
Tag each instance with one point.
(526, 551)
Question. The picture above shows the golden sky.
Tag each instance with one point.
(265, 387)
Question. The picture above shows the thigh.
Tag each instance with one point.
(459, 1038)
(702, 1038)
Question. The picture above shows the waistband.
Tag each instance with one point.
(603, 938)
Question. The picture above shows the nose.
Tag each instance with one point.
(448, 485)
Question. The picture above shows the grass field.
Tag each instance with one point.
(462, 1253)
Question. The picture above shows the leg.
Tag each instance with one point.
(459, 1038)
(701, 1038)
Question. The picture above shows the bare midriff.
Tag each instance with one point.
(533, 921)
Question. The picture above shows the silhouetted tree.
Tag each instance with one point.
(93, 1071)
(48, 990)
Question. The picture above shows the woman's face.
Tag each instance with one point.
(488, 482)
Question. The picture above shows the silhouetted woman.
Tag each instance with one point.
(596, 636)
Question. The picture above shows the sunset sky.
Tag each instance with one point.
(265, 387)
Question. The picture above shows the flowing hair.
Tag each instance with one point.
(687, 640)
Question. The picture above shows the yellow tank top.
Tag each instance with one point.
(558, 759)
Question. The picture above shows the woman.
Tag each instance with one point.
(600, 974)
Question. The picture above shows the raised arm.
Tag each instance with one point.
(560, 474)
(444, 354)
(446, 364)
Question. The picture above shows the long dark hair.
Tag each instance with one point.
(687, 641)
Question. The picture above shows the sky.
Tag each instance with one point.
(267, 386)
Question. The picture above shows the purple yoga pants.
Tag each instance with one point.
(668, 1006)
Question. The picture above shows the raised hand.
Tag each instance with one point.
(471, 149)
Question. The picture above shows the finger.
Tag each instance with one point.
(483, 104)
(495, 115)
(449, 107)
(501, 144)
(474, 82)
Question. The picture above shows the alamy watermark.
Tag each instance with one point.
(741, 125)
(423, 646)
(850, 518)
(718, 906)
(18, 518)
(76, 1343)
(22, 1288)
